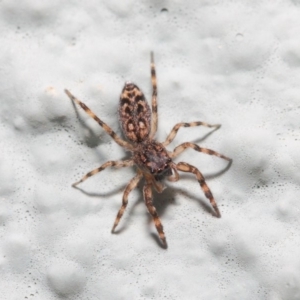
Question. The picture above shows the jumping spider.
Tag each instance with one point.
(153, 160)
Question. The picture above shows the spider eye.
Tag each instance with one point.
(169, 160)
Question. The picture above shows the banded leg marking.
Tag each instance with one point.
(175, 129)
(184, 167)
(117, 139)
(154, 120)
(119, 163)
(179, 149)
(148, 200)
(131, 185)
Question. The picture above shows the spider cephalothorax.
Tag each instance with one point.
(153, 161)
(152, 157)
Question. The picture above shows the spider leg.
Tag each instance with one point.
(119, 163)
(148, 201)
(154, 120)
(175, 129)
(179, 149)
(175, 176)
(131, 185)
(184, 167)
(116, 138)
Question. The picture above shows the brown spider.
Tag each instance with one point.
(153, 160)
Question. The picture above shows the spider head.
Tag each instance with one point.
(153, 158)
(161, 169)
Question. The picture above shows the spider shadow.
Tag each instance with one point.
(100, 195)
(205, 136)
(116, 191)
(219, 173)
(204, 202)
(170, 195)
(91, 139)
(161, 201)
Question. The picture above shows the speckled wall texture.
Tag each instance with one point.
(235, 63)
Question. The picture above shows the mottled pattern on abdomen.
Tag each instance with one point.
(134, 114)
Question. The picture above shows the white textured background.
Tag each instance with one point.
(231, 62)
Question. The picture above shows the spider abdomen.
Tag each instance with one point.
(134, 113)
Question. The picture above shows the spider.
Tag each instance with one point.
(154, 162)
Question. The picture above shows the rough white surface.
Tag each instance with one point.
(231, 62)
